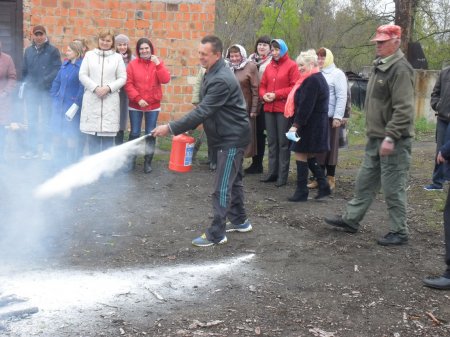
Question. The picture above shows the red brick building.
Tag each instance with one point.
(174, 26)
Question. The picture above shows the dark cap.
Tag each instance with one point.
(39, 29)
(387, 32)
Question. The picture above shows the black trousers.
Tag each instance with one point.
(228, 196)
(447, 234)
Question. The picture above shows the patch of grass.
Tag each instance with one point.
(164, 143)
(424, 128)
(356, 127)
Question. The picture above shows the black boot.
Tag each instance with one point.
(131, 165)
(270, 178)
(301, 192)
(324, 188)
(118, 140)
(149, 151)
(212, 156)
(256, 166)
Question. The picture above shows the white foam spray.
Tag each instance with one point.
(89, 170)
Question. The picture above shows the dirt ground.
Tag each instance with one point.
(115, 259)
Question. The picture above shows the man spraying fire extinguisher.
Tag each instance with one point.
(222, 110)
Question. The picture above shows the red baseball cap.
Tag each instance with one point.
(39, 29)
(387, 32)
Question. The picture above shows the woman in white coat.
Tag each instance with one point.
(102, 74)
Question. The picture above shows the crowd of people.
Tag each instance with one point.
(82, 106)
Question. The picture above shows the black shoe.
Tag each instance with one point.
(323, 192)
(280, 183)
(339, 222)
(393, 239)
(253, 169)
(148, 163)
(269, 179)
(442, 283)
(299, 196)
(147, 168)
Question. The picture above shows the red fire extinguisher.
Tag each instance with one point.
(181, 153)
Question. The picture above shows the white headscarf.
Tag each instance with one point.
(243, 62)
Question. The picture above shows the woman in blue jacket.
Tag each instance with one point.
(67, 93)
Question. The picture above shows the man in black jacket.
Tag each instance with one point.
(443, 282)
(440, 102)
(41, 64)
(222, 110)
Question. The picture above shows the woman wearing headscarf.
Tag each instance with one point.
(311, 125)
(277, 81)
(337, 82)
(247, 75)
(145, 75)
(67, 93)
(102, 74)
(261, 57)
(123, 48)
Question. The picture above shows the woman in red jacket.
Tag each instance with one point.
(278, 80)
(145, 74)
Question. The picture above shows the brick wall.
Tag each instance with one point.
(174, 27)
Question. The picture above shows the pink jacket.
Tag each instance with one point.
(7, 84)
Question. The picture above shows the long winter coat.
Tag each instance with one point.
(144, 79)
(66, 90)
(248, 79)
(279, 77)
(100, 68)
(7, 84)
(311, 115)
(440, 97)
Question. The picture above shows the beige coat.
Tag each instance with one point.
(100, 68)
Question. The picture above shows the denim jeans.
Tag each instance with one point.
(97, 144)
(442, 136)
(136, 122)
(38, 105)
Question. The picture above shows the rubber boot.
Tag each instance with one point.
(256, 166)
(301, 192)
(118, 140)
(212, 156)
(324, 188)
(132, 163)
(149, 151)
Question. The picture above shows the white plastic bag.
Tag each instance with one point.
(71, 112)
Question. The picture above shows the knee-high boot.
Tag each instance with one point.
(149, 151)
(132, 163)
(118, 140)
(324, 188)
(256, 166)
(301, 192)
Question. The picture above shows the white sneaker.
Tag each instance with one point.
(46, 156)
(29, 155)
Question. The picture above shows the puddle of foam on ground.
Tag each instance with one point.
(67, 290)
